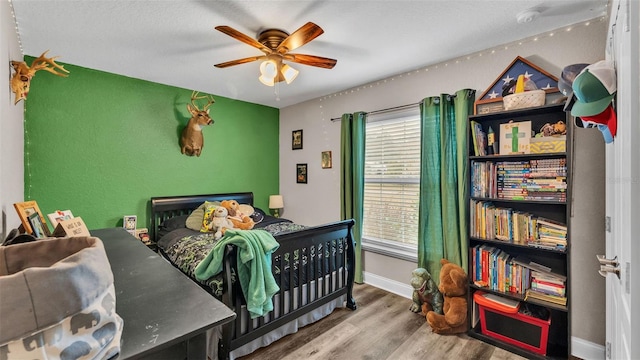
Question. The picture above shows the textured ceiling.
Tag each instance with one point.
(174, 42)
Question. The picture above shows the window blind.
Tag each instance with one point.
(392, 176)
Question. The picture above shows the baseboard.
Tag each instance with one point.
(586, 350)
(392, 286)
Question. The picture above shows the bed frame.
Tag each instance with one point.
(323, 285)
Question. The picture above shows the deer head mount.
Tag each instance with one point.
(21, 80)
(191, 140)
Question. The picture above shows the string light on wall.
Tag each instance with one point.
(469, 57)
(15, 21)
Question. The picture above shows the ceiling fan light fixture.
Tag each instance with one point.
(266, 80)
(269, 68)
(268, 72)
(289, 73)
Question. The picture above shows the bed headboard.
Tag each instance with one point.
(164, 207)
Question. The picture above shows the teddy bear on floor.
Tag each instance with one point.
(426, 295)
(219, 222)
(453, 286)
(240, 221)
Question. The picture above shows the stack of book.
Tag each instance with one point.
(495, 269)
(546, 285)
(536, 179)
(490, 222)
(483, 179)
(511, 179)
(547, 180)
(550, 235)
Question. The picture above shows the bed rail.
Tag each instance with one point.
(320, 269)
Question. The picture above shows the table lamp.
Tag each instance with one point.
(276, 203)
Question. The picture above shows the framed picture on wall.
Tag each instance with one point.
(296, 139)
(301, 173)
(27, 208)
(326, 160)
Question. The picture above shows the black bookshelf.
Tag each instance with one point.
(559, 332)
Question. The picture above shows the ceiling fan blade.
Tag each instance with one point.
(239, 61)
(242, 37)
(311, 60)
(303, 35)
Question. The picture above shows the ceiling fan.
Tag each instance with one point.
(276, 44)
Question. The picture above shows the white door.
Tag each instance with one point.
(623, 186)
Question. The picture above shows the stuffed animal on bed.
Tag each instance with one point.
(240, 220)
(453, 286)
(219, 222)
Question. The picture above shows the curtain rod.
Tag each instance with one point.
(400, 107)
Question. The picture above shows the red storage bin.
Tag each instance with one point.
(512, 327)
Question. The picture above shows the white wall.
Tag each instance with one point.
(11, 126)
(318, 201)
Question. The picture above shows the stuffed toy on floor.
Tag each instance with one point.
(426, 296)
(453, 286)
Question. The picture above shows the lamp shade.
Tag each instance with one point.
(276, 202)
(268, 72)
(289, 73)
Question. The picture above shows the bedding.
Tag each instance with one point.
(312, 266)
(186, 248)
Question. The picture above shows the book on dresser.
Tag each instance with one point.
(519, 231)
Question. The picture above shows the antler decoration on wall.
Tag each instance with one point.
(191, 140)
(21, 80)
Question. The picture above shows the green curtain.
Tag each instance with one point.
(442, 221)
(352, 179)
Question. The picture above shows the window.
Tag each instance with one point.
(392, 183)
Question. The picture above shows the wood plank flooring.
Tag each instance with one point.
(381, 328)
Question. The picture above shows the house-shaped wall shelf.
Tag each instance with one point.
(491, 99)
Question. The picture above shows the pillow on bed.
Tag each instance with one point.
(209, 208)
(257, 216)
(171, 224)
(194, 221)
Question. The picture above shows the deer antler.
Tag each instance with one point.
(21, 80)
(42, 63)
(194, 97)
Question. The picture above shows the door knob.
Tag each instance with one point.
(604, 269)
(604, 261)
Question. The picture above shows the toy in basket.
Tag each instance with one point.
(524, 99)
(525, 94)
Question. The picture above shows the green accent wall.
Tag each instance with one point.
(101, 145)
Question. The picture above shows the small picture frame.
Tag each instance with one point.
(27, 208)
(301, 173)
(296, 139)
(58, 216)
(129, 223)
(37, 226)
(326, 160)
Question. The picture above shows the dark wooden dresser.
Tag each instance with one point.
(166, 315)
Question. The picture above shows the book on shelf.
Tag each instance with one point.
(552, 223)
(538, 268)
(479, 139)
(559, 300)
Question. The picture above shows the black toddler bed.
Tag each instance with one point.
(313, 267)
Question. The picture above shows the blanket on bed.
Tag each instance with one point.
(254, 266)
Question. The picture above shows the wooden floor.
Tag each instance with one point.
(381, 328)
